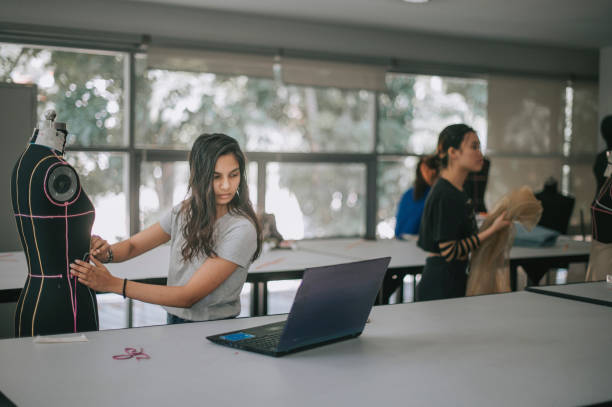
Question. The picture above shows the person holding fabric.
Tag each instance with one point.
(214, 237)
(448, 230)
(490, 263)
(410, 208)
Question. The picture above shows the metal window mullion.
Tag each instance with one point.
(134, 156)
(371, 177)
(166, 155)
(150, 155)
(312, 157)
(134, 192)
(371, 198)
(261, 186)
(100, 149)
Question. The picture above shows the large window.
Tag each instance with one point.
(416, 107)
(316, 200)
(172, 108)
(164, 184)
(412, 112)
(310, 197)
(395, 176)
(103, 176)
(86, 89)
(262, 114)
(542, 130)
(331, 146)
(312, 149)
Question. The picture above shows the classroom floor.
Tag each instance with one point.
(113, 309)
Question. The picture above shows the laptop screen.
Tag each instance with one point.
(332, 302)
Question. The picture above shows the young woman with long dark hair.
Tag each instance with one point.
(214, 237)
(448, 230)
(410, 208)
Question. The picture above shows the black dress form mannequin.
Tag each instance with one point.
(603, 159)
(600, 258)
(557, 208)
(54, 217)
(556, 213)
(601, 163)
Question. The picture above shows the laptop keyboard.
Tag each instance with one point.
(269, 341)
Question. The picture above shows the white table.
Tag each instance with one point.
(515, 349)
(537, 261)
(406, 258)
(598, 292)
(404, 253)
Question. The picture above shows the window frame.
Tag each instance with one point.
(130, 47)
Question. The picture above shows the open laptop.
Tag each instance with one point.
(331, 304)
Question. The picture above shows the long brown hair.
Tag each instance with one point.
(199, 209)
(420, 183)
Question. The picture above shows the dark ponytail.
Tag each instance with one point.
(451, 136)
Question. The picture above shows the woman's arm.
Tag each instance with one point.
(205, 280)
(459, 249)
(498, 224)
(141, 242)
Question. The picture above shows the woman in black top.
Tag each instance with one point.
(448, 230)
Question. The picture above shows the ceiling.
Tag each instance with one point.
(573, 23)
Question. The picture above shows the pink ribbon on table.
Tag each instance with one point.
(132, 353)
(269, 263)
(7, 257)
(351, 245)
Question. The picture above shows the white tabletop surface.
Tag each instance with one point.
(598, 290)
(563, 247)
(293, 259)
(13, 270)
(516, 349)
(153, 264)
(404, 253)
(308, 253)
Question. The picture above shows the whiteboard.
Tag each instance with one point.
(17, 120)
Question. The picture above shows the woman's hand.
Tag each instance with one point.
(100, 249)
(95, 276)
(500, 222)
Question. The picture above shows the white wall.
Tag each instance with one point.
(18, 117)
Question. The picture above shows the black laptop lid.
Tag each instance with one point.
(333, 302)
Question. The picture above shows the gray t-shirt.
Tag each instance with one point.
(236, 241)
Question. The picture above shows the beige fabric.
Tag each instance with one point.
(489, 265)
(600, 261)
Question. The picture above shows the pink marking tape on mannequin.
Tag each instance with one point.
(54, 216)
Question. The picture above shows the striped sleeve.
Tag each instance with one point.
(456, 249)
